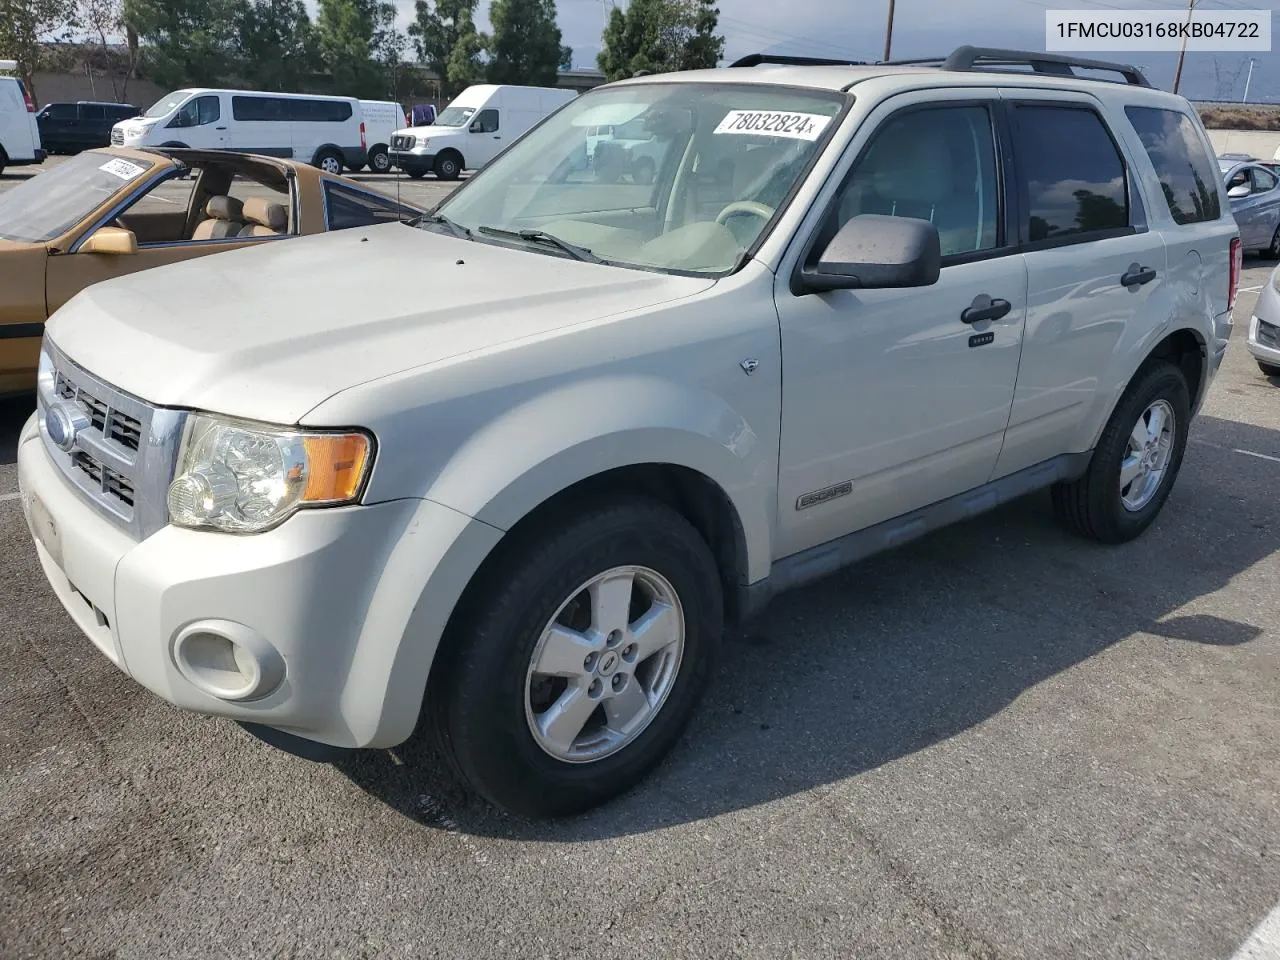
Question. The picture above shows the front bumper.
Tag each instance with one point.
(314, 590)
(1264, 327)
(413, 160)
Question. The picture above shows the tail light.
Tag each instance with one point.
(363, 143)
(26, 97)
(1237, 264)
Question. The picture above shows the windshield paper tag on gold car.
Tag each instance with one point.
(774, 123)
(121, 168)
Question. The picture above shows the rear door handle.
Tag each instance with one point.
(984, 308)
(1137, 275)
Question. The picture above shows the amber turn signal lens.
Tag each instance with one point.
(336, 465)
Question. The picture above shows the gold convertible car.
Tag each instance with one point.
(109, 212)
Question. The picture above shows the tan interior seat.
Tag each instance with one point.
(225, 219)
(265, 218)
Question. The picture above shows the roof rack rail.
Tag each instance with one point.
(756, 59)
(968, 58)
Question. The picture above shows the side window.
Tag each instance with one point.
(187, 116)
(936, 164)
(1071, 172)
(1262, 180)
(349, 208)
(1187, 173)
(60, 111)
(486, 121)
(93, 111)
(208, 110)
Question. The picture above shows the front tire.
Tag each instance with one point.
(448, 166)
(1268, 369)
(1135, 463)
(579, 657)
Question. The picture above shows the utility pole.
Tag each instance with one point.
(888, 32)
(1247, 80)
(1182, 54)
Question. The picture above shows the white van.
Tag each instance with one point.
(474, 128)
(382, 118)
(325, 131)
(19, 134)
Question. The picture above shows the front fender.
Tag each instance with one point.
(530, 453)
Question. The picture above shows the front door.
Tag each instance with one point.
(485, 138)
(201, 124)
(891, 400)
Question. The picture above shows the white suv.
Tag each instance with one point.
(855, 304)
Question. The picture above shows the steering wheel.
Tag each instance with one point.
(740, 207)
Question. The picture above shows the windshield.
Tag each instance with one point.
(454, 116)
(167, 104)
(687, 179)
(47, 206)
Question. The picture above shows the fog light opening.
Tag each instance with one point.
(227, 660)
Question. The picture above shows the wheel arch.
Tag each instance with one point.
(325, 149)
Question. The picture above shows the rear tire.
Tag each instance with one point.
(330, 161)
(643, 172)
(380, 161)
(448, 166)
(572, 597)
(416, 174)
(1269, 369)
(1121, 494)
(1273, 251)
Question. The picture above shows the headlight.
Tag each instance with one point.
(45, 373)
(244, 477)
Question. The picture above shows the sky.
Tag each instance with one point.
(855, 29)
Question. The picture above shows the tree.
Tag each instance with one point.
(275, 44)
(184, 41)
(346, 31)
(446, 40)
(525, 47)
(389, 45)
(102, 21)
(25, 25)
(658, 36)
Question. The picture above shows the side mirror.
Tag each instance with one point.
(112, 241)
(475, 127)
(873, 251)
(1239, 193)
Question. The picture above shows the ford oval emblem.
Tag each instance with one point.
(63, 422)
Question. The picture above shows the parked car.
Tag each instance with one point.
(519, 512)
(381, 119)
(1264, 327)
(629, 150)
(474, 128)
(99, 215)
(19, 132)
(322, 131)
(1254, 192)
(72, 127)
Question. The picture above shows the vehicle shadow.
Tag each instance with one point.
(14, 412)
(933, 639)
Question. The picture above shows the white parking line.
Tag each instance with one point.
(1251, 289)
(1246, 453)
(9, 496)
(1264, 942)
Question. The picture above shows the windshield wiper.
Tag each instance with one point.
(457, 229)
(541, 236)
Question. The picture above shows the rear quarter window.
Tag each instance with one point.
(1188, 178)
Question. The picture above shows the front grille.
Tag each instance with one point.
(117, 138)
(122, 460)
(1268, 334)
(402, 143)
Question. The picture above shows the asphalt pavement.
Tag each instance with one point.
(999, 742)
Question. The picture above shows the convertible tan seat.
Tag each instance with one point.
(226, 219)
(265, 218)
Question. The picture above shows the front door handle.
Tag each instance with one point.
(219, 128)
(1137, 275)
(984, 308)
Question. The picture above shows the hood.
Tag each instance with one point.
(269, 332)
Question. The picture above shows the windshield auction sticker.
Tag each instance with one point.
(774, 123)
(121, 168)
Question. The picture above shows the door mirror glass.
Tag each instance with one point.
(1238, 192)
(112, 241)
(475, 126)
(874, 251)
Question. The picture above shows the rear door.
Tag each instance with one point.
(1097, 274)
(1266, 192)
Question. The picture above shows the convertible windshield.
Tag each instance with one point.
(48, 205)
(454, 116)
(167, 104)
(681, 177)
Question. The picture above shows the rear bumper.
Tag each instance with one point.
(29, 161)
(355, 157)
